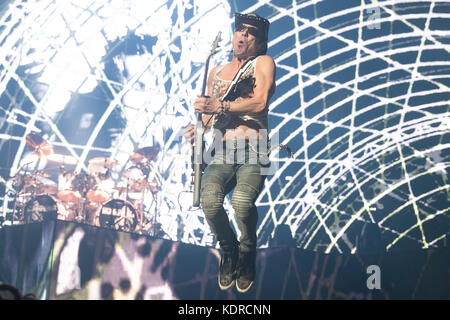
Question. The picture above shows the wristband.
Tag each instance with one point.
(226, 106)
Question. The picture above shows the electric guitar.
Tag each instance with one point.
(198, 132)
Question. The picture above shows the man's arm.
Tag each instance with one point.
(262, 91)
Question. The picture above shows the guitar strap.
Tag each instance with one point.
(244, 68)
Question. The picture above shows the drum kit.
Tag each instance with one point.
(91, 197)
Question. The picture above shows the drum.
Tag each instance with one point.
(102, 189)
(40, 208)
(67, 211)
(82, 212)
(119, 215)
(92, 213)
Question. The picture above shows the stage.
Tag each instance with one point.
(60, 260)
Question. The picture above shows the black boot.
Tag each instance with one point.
(245, 271)
(227, 268)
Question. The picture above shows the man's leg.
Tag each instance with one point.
(249, 184)
(215, 181)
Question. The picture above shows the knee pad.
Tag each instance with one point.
(211, 198)
(243, 200)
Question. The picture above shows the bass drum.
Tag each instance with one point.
(119, 215)
(41, 208)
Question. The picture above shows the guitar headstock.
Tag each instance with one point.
(214, 45)
(211, 53)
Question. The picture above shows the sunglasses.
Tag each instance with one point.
(251, 30)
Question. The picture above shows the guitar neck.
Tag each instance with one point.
(205, 76)
(205, 82)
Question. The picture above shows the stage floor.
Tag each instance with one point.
(67, 260)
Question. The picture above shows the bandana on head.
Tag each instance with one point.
(254, 20)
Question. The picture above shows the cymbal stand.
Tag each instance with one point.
(155, 216)
(140, 214)
(20, 215)
(14, 207)
(158, 200)
(81, 215)
(125, 204)
(153, 173)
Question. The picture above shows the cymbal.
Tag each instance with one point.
(47, 189)
(136, 186)
(62, 158)
(44, 185)
(101, 161)
(145, 153)
(69, 196)
(33, 140)
(41, 147)
(45, 181)
(39, 184)
(98, 195)
(42, 174)
(121, 189)
(139, 186)
(94, 169)
(35, 180)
